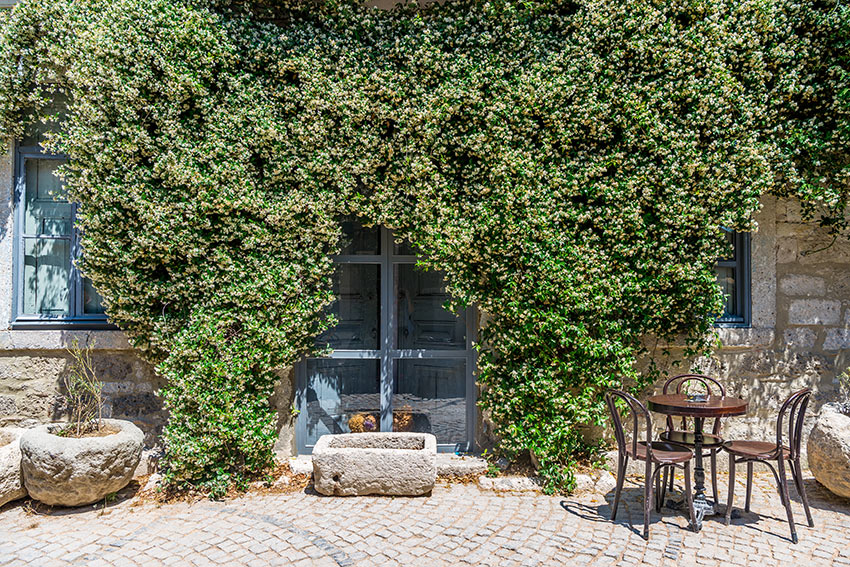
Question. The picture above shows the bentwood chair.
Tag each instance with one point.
(712, 442)
(658, 455)
(764, 452)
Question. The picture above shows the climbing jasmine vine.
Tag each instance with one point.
(569, 165)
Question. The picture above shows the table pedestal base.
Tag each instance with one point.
(702, 509)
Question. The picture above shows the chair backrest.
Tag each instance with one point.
(637, 411)
(712, 387)
(795, 406)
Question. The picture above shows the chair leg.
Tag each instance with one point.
(647, 499)
(730, 498)
(689, 495)
(622, 464)
(714, 476)
(658, 490)
(783, 490)
(749, 485)
(801, 490)
(672, 479)
(667, 471)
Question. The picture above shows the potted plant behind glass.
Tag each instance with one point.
(829, 443)
(80, 462)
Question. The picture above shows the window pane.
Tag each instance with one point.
(92, 302)
(47, 267)
(46, 212)
(404, 248)
(429, 396)
(360, 240)
(730, 244)
(341, 396)
(423, 323)
(726, 279)
(357, 288)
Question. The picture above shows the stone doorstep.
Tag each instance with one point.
(448, 465)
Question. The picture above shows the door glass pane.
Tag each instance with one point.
(726, 279)
(423, 323)
(92, 302)
(429, 396)
(46, 212)
(341, 396)
(357, 288)
(47, 267)
(57, 109)
(360, 240)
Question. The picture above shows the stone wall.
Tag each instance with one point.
(31, 390)
(800, 332)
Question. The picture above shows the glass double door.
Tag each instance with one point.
(400, 360)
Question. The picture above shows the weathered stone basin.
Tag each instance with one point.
(69, 471)
(356, 464)
(829, 449)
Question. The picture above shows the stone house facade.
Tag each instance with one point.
(792, 288)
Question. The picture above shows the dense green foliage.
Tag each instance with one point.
(569, 165)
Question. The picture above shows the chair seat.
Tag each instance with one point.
(662, 452)
(754, 449)
(687, 438)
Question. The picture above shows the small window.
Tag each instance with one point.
(49, 289)
(733, 276)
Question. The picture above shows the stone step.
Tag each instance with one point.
(448, 464)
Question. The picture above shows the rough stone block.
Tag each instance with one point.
(800, 337)
(802, 285)
(837, 339)
(135, 405)
(786, 250)
(514, 483)
(829, 450)
(11, 481)
(356, 464)
(449, 465)
(814, 312)
(7, 405)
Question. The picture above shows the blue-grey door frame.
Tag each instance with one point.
(388, 355)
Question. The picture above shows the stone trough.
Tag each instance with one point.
(356, 464)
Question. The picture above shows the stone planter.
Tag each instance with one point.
(829, 450)
(69, 471)
(355, 464)
(11, 482)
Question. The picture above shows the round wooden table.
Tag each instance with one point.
(713, 406)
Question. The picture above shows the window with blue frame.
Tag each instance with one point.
(49, 290)
(733, 276)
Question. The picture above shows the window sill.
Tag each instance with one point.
(60, 339)
(732, 325)
(746, 337)
(70, 324)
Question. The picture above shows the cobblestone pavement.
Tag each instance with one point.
(458, 524)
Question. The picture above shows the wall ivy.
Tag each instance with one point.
(569, 165)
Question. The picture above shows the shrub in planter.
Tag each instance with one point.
(77, 463)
